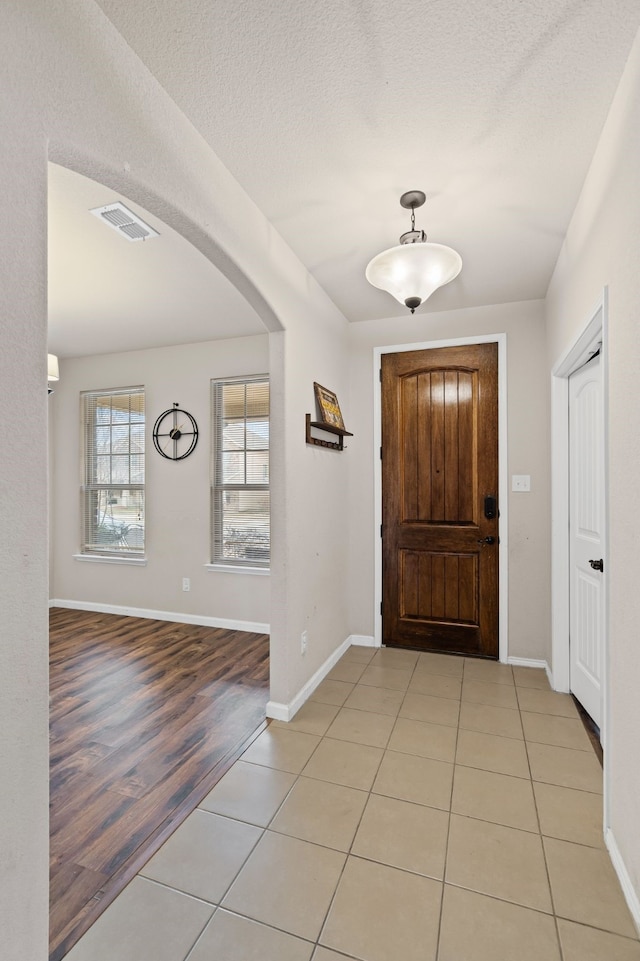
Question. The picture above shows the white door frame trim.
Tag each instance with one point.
(503, 474)
(594, 330)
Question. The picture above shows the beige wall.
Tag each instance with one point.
(88, 103)
(527, 401)
(177, 493)
(602, 247)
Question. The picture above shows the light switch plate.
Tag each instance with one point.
(521, 482)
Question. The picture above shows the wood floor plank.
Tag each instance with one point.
(145, 717)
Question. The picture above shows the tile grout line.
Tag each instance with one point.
(348, 852)
(446, 846)
(544, 852)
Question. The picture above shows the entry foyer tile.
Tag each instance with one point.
(441, 664)
(438, 685)
(424, 707)
(203, 856)
(354, 765)
(332, 692)
(382, 914)
(417, 779)
(580, 943)
(503, 755)
(312, 718)
(146, 921)
(490, 720)
(546, 702)
(391, 677)
(249, 792)
(531, 677)
(491, 671)
(427, 740)
(485, 929)
(362, 727)
(494, 797)
(397, 659)
(483, 692)
(403, 835)
(282, 749)
(287, 884)
(499, 861)
(349, 671)
(233, 938)
(560, 731)
(379, 700)
(321, 812)
(358, 654)
(570, 815)
(585, 887)
(566, 767)
(324, 954)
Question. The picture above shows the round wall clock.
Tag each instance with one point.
(175, 433)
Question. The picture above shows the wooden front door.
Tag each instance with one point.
(439, 499)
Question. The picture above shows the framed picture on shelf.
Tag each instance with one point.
(328, 407)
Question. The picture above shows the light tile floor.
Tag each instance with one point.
(418, 808)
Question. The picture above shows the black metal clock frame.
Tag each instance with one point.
(170, 425)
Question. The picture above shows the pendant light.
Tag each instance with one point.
(412, 271)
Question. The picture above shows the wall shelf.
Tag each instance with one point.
(330, 429)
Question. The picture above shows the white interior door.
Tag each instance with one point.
(586, 536)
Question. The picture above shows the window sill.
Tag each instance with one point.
(238, 569)
(106, 559)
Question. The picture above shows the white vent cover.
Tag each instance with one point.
(119, 217)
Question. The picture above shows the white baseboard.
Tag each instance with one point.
(526, 662)
(630, 894)
(280, 711)
(362, 640)
(201, 620)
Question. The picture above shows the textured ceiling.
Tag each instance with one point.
(107, 294)
(327, 112)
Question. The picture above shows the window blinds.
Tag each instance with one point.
(240, 532)
(113, 471)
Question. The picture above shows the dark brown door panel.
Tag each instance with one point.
(439, 466)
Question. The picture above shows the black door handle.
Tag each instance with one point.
(597, 565)
(487, 540)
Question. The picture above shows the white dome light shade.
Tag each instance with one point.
(53, 372)
(412, 272)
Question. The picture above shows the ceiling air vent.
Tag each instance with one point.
(124, 221)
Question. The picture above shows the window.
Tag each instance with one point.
(113, 482)
(240, 473)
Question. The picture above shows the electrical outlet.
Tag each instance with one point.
(186, 584)
(304, 637)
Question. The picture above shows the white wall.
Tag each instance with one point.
(602, 247)
(177, 492)
(529, 583)
(76, 94)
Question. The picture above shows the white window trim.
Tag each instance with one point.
(236, 569)
(111, 556)
(111, 559)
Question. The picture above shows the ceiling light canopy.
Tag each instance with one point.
(412, 271)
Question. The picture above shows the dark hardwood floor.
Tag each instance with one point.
(146, 716)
